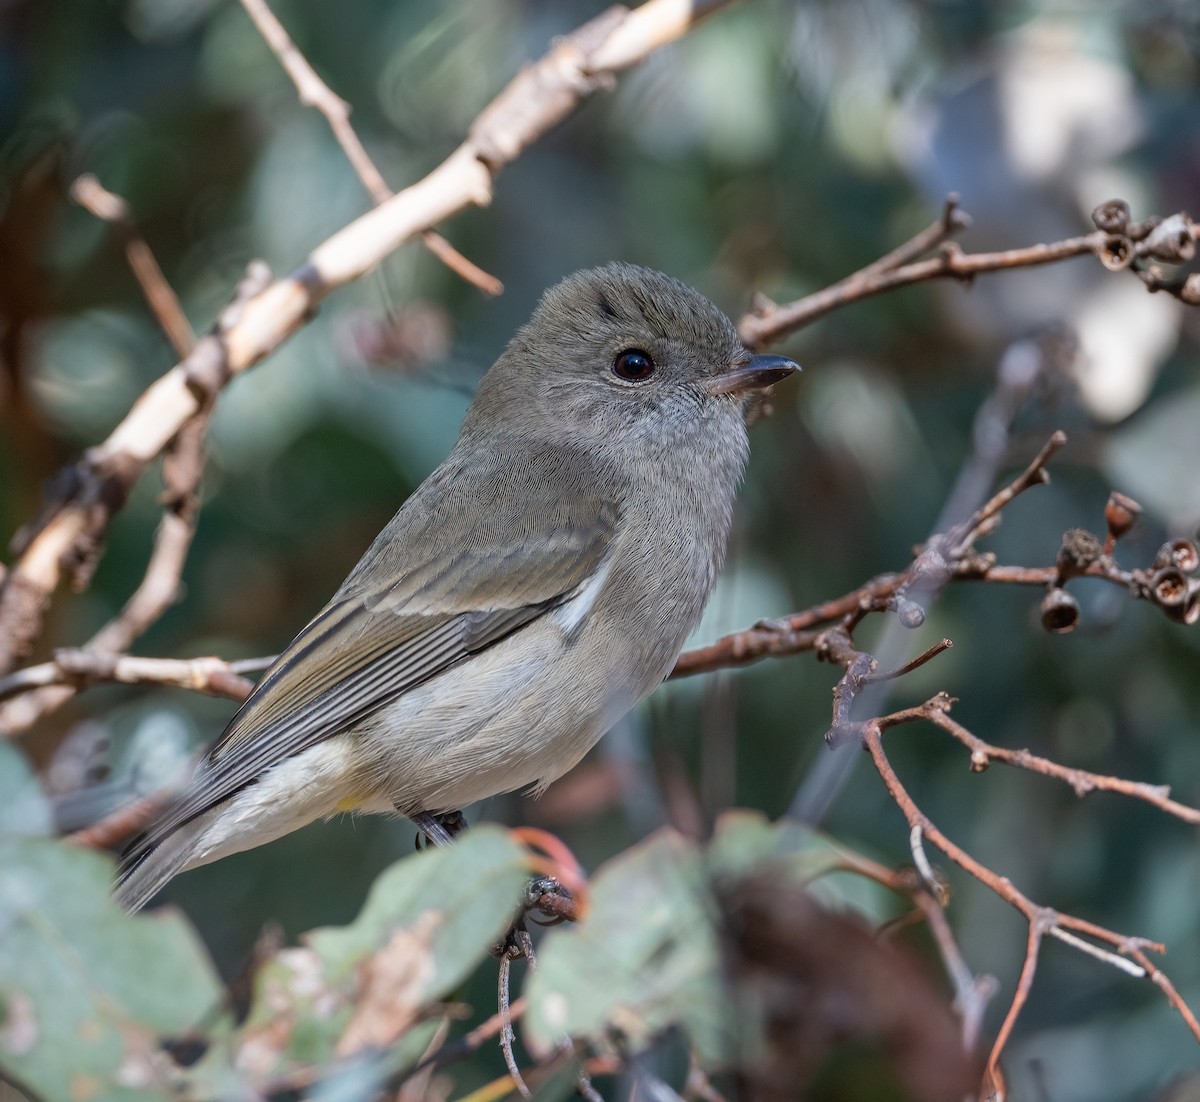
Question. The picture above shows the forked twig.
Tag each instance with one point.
(314, 92)
(88, 192)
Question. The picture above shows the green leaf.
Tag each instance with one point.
(87, 991)
(644, 958)
(352, 997)
(467, 894)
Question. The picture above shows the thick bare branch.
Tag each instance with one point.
(71, 528)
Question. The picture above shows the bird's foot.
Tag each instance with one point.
(546, 895)
(441, 829)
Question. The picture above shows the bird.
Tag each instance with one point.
(528, 594)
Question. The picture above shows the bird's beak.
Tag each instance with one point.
(756, 373)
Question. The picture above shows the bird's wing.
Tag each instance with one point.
(416, 604)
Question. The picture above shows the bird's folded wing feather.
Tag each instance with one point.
(415, 606)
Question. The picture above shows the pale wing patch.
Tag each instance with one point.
(570, 616)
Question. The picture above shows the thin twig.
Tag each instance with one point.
(759, 330)
(1160, 980)
(417, 1089)
(469, 1043)
(698, 1085)
(926, 655)
(953, 220)
(460, 265)
(971, 993)
(88, 192)
(921, 861)
(583, 1084)
(211, 676)
(768, 323)
(507, 1036)
(314, 92)
(936, 710)
(962, 537)
(992, 1076)
(1120, 963)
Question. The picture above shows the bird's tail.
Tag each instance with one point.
(150, 864)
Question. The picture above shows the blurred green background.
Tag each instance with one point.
(774, 149)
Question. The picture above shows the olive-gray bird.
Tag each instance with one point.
(529, 593)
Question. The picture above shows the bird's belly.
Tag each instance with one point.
(286, 797)
(522, 712)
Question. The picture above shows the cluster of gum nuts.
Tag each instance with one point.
(1167, 582)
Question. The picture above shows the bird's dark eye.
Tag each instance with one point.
(634, 365)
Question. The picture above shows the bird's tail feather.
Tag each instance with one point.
(144, 873)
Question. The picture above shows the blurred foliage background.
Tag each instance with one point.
(776, 148)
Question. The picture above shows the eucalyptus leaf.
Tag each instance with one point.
(643, 959)
(86, 991)
(471, 889)
(646, 957)
(355, 999)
